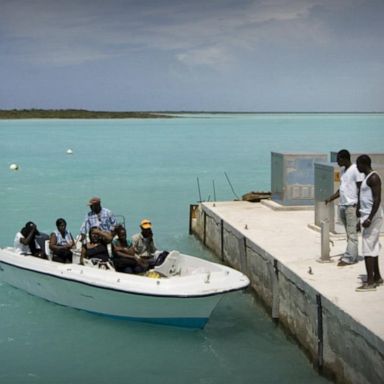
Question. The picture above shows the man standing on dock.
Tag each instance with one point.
(371, 219)
(350, 181)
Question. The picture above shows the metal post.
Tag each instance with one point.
(325, 249)
(275, 291)
(222, 238)
(198, 187)
(243, 254)
(205, 228)
(320, 345)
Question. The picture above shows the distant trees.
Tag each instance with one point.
(74, 114)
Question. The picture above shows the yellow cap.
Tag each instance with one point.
(146, 224)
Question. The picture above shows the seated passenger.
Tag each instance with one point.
(96, 247)
(143, 243)
(61, 242)
(124, 258)
(25, 241)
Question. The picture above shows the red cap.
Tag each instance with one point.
(94, 200)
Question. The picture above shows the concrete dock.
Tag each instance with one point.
(341, 330)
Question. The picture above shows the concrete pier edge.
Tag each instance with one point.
(339, 346)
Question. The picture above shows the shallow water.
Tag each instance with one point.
(149, 168)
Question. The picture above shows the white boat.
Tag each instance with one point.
(183, 291)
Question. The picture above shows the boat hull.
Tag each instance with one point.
(190, 312)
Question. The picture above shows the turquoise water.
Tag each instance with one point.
(148, 168)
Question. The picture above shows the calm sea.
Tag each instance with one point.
(149, 169)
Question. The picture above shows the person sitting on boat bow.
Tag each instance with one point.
(124, 258)
(99, 217)
(61, 242)
(96, 248)
(25, 241)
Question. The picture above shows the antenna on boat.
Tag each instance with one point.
(198, 187)
(214, 190)
(230, 184)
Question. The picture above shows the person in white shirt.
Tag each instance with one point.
(61, 242)
(371, 220)
(350, 181)
(25, 241)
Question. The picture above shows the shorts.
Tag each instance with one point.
(371, 238)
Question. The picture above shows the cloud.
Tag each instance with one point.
(200, 32)
(210, 56)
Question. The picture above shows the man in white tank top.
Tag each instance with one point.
(371, 220)
(350, 181)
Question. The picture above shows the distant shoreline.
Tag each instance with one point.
(76, 114)
(6, 114)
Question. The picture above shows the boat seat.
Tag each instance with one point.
(47, 250)
(76, 254)
(170, 266)
(49, 254)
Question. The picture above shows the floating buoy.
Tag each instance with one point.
(14, 167)
(69, 151)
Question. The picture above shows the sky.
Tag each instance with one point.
(193, 55)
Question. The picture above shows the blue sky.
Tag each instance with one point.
(226, 55)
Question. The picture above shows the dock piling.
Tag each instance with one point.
(192, 215)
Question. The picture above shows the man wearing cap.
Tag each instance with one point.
(143, 243)
(98, 217)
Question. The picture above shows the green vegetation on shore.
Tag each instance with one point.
(85, 114)
(75, 114)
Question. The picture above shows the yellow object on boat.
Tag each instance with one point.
(153, 274)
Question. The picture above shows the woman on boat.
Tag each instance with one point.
(61, 242)
(96, 247)
(123, 252)
(25, 240)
